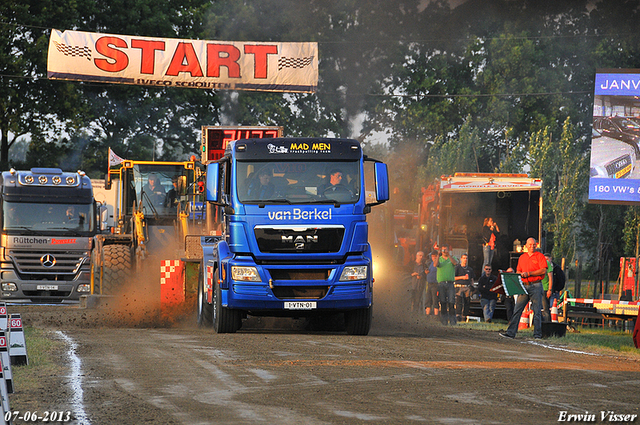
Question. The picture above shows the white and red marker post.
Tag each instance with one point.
(17, 341)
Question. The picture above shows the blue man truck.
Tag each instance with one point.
(291, 219)
(49, 218)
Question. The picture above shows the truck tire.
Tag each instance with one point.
(358, 322)
(225, 320)
(205, 311)
(117, 267)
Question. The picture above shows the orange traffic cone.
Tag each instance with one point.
(524, 319)
(554, 311)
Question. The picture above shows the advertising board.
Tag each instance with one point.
(615, 145)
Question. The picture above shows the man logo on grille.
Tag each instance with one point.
(48, 260)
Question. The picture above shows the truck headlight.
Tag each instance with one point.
(353, 273)
(245, 274)
(9, 286)
(84, 287)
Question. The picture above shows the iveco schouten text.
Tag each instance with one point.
(291, 213)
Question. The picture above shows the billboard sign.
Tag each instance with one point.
(169, 62)
(614, 176)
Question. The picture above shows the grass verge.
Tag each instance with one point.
(599, 341)
(43, 351)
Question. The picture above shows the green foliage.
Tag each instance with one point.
(630, 231)
(484, 86)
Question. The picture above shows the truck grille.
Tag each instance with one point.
(300, 292)
(50, 265)
(299, 239)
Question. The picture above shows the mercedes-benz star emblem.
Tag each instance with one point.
(48, 260)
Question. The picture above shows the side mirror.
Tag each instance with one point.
(382, 182)
(103, 213)
(212, 193)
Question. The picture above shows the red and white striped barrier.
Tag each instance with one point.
(609, 306)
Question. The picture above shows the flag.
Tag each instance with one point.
(114, 159)
(512, 283)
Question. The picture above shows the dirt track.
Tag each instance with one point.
(143, 367)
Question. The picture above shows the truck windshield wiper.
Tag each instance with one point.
(28, 229)
(65, 229)
(323, 201)
(263, 202)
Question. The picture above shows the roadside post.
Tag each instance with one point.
(6, 363)
(17, 342)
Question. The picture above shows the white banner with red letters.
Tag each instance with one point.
(170, 62)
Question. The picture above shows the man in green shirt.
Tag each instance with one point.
(547, 284)
(446, 266)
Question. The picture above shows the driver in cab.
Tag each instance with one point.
(335, 184)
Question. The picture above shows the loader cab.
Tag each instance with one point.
(160, 190)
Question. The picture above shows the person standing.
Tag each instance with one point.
(490, 233)
(488, 298)
(464, 284)
(532, 266)
(418, 285)
(547, 286)
(431, 301)
(559, 280)
(446, 292)
(628, 282)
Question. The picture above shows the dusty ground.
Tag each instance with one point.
(141, 365)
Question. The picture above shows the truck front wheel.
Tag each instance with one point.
(225, 320)
(358, 322)
(205, 312)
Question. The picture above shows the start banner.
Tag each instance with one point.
(169, 62)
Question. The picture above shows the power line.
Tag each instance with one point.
(443, 96)
(425, 40)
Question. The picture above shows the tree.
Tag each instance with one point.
(30, 105)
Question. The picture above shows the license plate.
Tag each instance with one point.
(299, 305)
(47, 287)
(626, 170)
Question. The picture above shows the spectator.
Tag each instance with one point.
(488, 298)
(547, 286)
(464, 285)
(418, 278)
(559, 280)
(490, 232)
(431, 301)
(446, 292)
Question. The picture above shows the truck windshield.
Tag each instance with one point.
(27, 217)
(298, 182)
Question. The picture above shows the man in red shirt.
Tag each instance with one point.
(532, 267)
